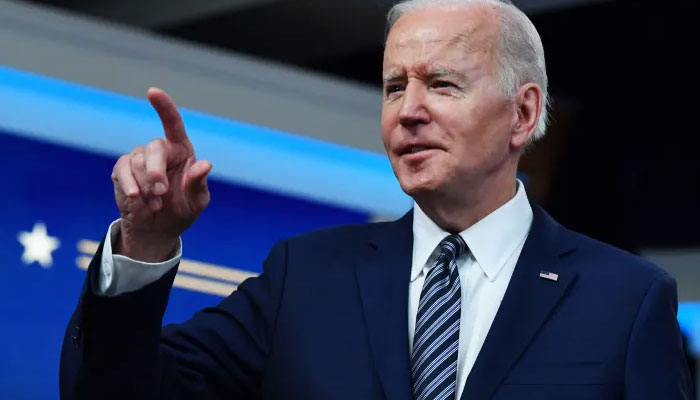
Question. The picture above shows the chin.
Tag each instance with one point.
(415, 185)
(419, 178)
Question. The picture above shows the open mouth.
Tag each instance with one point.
(416, 149)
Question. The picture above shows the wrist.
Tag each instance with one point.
(144, 246)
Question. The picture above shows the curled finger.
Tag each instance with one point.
(123, 178)
(138, 169)
(156, 165)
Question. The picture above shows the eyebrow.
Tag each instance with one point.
(430, 73)
(440, 72)
(392, 76)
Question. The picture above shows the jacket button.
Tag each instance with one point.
(76, 333)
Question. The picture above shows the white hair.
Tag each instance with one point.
(521, 52)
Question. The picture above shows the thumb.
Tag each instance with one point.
(196, 185)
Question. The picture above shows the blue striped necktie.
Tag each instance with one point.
(436, 337)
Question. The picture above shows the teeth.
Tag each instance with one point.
(417, 149)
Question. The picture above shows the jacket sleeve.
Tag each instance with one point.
(115, 348)
(656, 366)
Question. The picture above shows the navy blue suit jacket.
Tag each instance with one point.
(328, 319)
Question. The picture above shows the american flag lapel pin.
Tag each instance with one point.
(549, 276)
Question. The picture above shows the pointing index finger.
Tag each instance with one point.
(170, 117)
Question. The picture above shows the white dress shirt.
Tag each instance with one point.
(121, 274)
(495, 243)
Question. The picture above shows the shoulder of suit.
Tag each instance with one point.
(339, 235)
(596, 256)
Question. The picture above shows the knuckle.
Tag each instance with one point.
(121, 162)
(138, 161)
(156, 144)
(137, 150)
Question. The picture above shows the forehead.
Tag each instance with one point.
(443, 36)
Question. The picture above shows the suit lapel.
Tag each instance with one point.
(527, 303)
(383, 275)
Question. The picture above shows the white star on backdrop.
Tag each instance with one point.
(38, 245)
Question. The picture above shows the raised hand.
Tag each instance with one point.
(160, 188)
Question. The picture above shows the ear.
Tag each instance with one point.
(528, 102)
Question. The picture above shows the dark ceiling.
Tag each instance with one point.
(339, 37)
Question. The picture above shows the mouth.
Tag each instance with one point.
(415, 149)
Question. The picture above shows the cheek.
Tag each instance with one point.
(388, 126)
(478, 136)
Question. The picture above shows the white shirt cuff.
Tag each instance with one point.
(120, 274)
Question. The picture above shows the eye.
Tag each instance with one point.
(443, 84)
(393, 88)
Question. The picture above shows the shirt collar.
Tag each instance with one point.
(491, 241)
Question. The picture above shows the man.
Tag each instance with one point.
(474, 294)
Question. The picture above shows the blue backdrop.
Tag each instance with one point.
(69, 191)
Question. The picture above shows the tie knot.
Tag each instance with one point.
(453, 246)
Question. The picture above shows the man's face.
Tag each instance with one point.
(445, 121)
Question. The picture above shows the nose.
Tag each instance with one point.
(414, 109)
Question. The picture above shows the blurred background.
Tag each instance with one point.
(284, 97)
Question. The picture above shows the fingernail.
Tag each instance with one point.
(159, 188)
